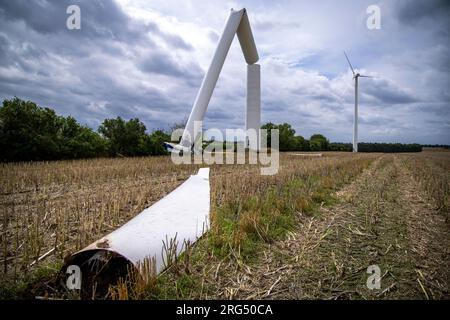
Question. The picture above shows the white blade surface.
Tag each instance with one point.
(183, 213)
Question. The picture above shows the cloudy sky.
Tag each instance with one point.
(146, 59)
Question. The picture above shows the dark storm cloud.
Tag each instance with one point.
(324, 97)
(77, 72)
(274, 105)
(218, 114)
(374, 120)
(101, 19)
(121, 65)
(412, 11)
(440, 109)
(161, 63)
(388, 93)
(32, 13)
(175, 41)
(432, 20)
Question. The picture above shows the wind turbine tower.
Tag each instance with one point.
(356, 75)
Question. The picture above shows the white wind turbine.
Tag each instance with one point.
(355, 119)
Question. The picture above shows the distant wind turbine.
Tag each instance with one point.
(355, 119)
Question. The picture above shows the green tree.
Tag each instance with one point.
(80, 142)
(27, 131)
(318, 142)
(287, 137)
(268, 126)
(301, 144)
(155, 142)
(30, 132)
(126, 138)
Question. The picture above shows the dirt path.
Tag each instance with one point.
(381, 219)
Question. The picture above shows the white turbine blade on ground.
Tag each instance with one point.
(178, 216)
(348, 60)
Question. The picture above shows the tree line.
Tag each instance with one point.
(289, 141)
(30, 132)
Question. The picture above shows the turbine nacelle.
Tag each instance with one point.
(358, 75)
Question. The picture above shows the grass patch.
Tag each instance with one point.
(243, 226)
(39, 281)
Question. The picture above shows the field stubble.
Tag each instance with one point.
(52, 209)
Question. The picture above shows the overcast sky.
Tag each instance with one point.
(146, 59)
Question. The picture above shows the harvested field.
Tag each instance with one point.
(308, 232)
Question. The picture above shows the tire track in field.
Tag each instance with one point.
(276, 275)
(429, 238)
(382, 219)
